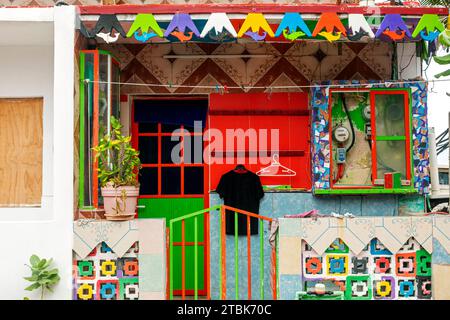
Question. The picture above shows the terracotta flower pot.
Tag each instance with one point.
(120, 203)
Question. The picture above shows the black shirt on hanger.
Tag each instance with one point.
(241, 190)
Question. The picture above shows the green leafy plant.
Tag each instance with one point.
(42, 277)
(118, 162)
(435, 3)
(444, 60)
(444, 36)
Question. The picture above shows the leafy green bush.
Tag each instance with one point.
(118, 163)
(41, 276)
(444, 60)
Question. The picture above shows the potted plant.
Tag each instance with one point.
(118, 167)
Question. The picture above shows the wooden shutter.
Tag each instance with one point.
(21, 137)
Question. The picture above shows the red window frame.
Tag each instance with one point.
(135, 143)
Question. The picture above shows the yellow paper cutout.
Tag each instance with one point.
(255, 21)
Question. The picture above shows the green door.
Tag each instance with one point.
(170, 186)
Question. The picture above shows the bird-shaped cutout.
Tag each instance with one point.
(330, 22)
(107, 37)
(394, 27)
(256, 36)
(293, 35)
(292, 26)
(145, 36)
(429, 27)
(148, 27)
(255, 22)
(358, 35)
(108, 23)
(394, 35)
(177, 27)
(331, 37)
(181, 36)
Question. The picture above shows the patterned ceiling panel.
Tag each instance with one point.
(277, 64)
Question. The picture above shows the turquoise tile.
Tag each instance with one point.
(289, 285)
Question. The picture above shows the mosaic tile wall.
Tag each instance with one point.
(373, 274)
(297, 63)
(104, 276)
(321, 144)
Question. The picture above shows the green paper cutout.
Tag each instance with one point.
(430, 22)
(145, 22)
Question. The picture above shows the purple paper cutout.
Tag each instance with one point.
(393, 22)
(181, 21)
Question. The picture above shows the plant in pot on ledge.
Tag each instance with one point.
(118, 167)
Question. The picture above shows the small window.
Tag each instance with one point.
(443, 178)
(370, 136)
(166, 140)
(21, 136)
(390, 130)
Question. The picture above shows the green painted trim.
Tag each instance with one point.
(391, 138)
(107, 53)
(197, 213)
(195, 259)
(82, 128)
(409, 190)
(171, 261)
(411, 154)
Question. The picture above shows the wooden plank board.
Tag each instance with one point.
(21, 136)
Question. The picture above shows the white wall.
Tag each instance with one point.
(408, 64)
(41, 71)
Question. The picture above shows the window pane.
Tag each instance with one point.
(87, 114)
(193, 180)
(196, 149)
(148, 127)
(115, 90)
(169, 128)
(103, 116)
(170, 180)
(391, 157)
(148, 178)
(443, 178)
(167, 146)
(148, 150)
(390, 114)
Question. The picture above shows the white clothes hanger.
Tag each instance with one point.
(276, 169)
